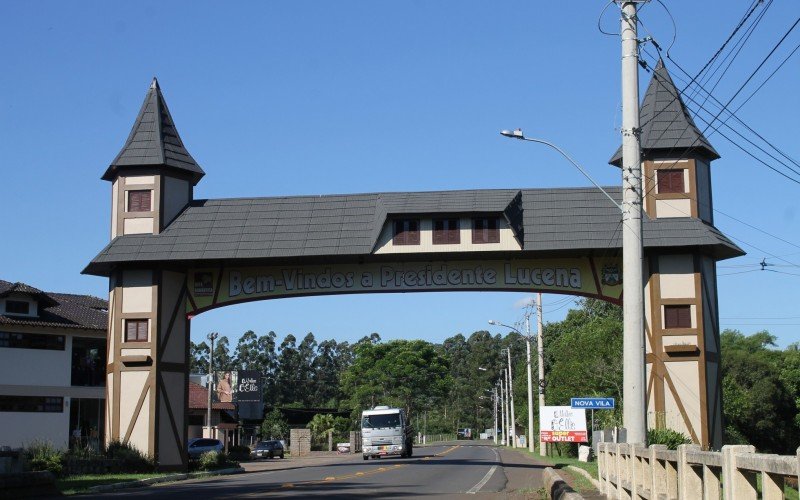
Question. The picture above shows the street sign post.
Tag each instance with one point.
(592, 404)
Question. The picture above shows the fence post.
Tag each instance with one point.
(737, 484)
(659, 480)
(690, 479)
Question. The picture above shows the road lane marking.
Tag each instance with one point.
(486, 478)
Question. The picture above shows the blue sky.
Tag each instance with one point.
(283, 98)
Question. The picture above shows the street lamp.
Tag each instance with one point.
(530, 382)
(512, 431)
(633, 358)
(494, 400)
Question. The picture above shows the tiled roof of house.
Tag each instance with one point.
(60, 310)
(154, 141)
(667, 126)
(348, 226)
(198, 399)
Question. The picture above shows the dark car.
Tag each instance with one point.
(268, 449)
(198, 446)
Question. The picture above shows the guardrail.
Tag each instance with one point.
(435, 438)
(633, 471)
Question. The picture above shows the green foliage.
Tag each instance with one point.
(407, 373)
(669, 437)
(211, 460)
(198, 357)
(43, 456)
(274, 426)
(322, 425)
(760, 392)
(132, 459)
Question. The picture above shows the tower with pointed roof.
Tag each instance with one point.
(681, 316)
(152, 178)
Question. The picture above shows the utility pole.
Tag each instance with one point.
(540, 352)
(633, 391)
(494, 397)
(530, 381)
(512, 431)
(209, 380)
(504, 407)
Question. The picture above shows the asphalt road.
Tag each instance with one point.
(450, 471)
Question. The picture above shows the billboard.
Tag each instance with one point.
(249, 397)
(242, 387)
(562, 424)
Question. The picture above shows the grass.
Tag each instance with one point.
(71, 485)
(580, 482)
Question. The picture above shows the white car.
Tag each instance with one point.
(198, 446)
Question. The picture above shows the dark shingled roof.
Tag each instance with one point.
(62, 310)
(667, 127)
(154, 141)
(576, 220)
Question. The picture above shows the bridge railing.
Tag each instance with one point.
(633, 471)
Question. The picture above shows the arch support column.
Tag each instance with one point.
(148, 364)
(683, 345)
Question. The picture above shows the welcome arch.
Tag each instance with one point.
(172, 257)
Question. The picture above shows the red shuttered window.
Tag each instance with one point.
(670, 181)
(136, 330)
(446, 232)
(485, 230)
(677, 316)
(406, 232)
(139, 201)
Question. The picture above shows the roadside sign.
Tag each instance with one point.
(592, 403)
(562, 424)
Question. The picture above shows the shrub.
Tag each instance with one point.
(132, 459)
(43, 456)
(211, 460)
(669, 437)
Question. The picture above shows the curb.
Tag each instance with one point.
(105, 488)
(557, 488)
(585, 474)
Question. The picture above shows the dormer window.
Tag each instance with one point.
(670, 181)
(446, 232)
(139, 201)
(406, 232)
(485, 230)
(18, 307)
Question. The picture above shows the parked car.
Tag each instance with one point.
(464, 434)
(267, 449)
(198, 446)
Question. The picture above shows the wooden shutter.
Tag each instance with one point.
(445, 232)
(139, 201)
(670, 181)
(485, 230)
(678, 316)
(406, 232)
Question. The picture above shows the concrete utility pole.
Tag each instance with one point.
(512, 433)
(633, 391)
(494, 431)
(531, 440)
(540, 352)
(503, 408)
(209, 379)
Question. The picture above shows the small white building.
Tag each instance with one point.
(52, 367)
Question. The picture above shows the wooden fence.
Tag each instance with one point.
(631, 471)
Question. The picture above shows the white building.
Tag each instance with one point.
(52, 367)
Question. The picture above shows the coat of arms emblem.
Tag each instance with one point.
(611, 276)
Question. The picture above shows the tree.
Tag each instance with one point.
(223, 361)
(405, 373)
(198, 357)
(274, 426)
(321, 425)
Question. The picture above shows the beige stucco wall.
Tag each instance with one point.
(140, 436)
(175, 348)
(507, 240)
(137, 291)
(131, 385)
(138, 225)
(176, 386)
(679, 340)
(138, 180)
(703, 175)
(684, 377)
(676, 278)
(673, 208)
(114, 208)
(136, 352)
